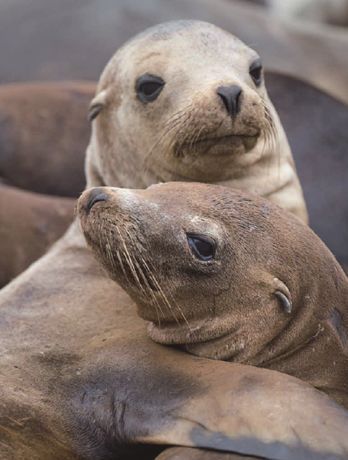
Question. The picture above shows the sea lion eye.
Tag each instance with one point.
(202, 246)
(255, 71)
(148, 87)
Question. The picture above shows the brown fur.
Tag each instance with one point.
(185, 453)
(227, 308)
(43, 136)
(79, 378)
(30, 224)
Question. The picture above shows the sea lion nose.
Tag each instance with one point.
(230, 96)
(96, 195)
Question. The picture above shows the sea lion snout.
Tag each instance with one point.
(95, 195)
(231, 98)
(89, 198)
(92, 196)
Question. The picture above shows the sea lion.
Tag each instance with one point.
(92, 34)
(79, 378)
(186, 100)
(334, 12)
(226, 275)
(43, 136)
(320, 152)
(30, 224)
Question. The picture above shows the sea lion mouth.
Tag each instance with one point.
(218, 145)
(212, 339)
(192, 332)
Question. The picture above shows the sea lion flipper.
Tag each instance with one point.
(188, 453)
(194, 402)
(248, 411)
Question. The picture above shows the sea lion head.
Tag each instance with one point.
(222, 273)
(187, 100)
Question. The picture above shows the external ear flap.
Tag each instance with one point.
(97, 105)
(283, 294)
(285, 302)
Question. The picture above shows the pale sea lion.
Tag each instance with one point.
(186, 101)
(227, 276)
(30, 224)
(43, 136)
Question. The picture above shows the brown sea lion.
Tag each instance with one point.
(43, 136)
(30, 224)
(79, 378)
(227, 276)
(320, 151)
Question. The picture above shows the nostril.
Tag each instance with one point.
(95, 196)
(230, 96)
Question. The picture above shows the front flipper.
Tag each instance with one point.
(188, 453)
(160, 396)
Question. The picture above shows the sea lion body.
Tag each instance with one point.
(30, 224)
(43, 136)
(227, 276)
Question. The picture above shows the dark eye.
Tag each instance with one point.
(202, 246)
(148, 87)
(255, 71)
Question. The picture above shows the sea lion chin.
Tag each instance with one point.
(225, 275)
(187, 101)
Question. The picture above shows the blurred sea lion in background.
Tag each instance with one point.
(77, 40)
(30, 224)
(333, 12)
(43, 136)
